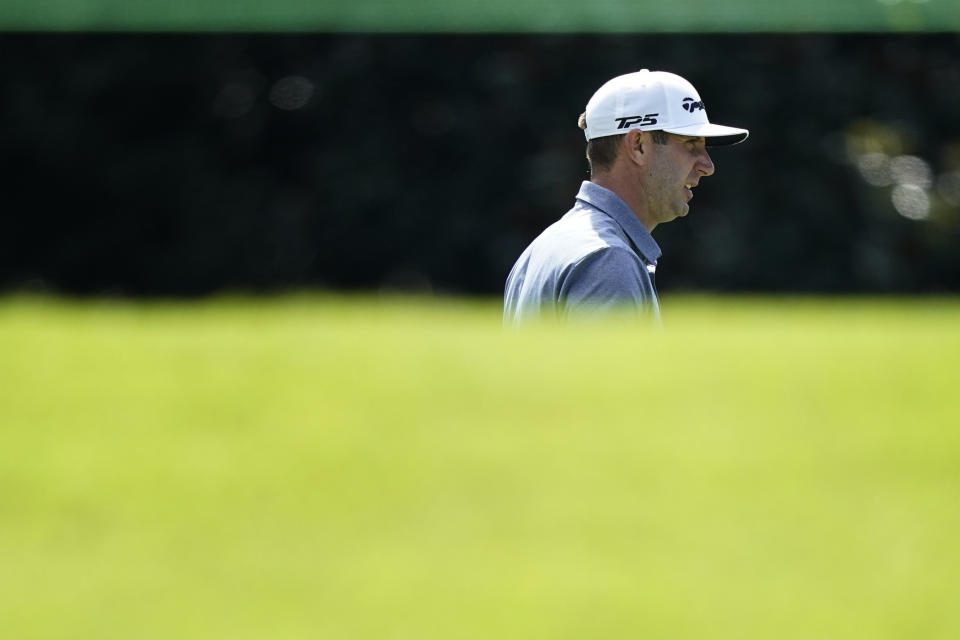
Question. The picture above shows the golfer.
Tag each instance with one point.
(647, 137)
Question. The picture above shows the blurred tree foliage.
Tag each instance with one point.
(191, 164)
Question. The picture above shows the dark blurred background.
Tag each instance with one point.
(193, 164)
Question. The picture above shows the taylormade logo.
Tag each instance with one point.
(691, 105)
(643, 121)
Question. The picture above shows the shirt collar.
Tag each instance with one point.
(612, 205)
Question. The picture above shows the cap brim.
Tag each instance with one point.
(717, 135)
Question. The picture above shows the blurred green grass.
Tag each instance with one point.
(329, 467)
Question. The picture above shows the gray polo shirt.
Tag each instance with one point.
(597, 258)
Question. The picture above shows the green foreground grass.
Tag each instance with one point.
(357, 468)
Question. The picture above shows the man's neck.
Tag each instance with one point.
(629, 191)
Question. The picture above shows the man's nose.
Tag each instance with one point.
(705, 165)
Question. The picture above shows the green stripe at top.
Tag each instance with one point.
(518, 16)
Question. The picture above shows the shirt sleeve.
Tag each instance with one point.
(606, 280)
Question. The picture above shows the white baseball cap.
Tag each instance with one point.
(650, 101)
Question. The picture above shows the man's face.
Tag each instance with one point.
(675, 168)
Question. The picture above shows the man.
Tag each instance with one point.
(647, 134)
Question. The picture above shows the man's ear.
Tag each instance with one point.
(635, 146)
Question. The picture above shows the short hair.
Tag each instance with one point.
(602, 152)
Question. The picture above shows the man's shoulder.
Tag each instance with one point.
(584, 259)
(581, 232)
